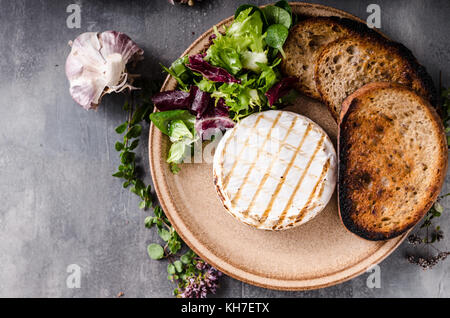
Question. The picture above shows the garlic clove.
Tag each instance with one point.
(96, 66)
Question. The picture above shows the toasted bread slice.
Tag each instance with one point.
(304, 45)
(349, 63)
(392, 154)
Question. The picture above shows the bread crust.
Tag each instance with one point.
(411, 71)
(347, 211)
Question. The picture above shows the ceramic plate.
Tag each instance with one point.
(317, 254)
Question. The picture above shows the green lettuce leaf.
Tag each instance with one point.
(162, 119)
(180, 72)
(243, 45)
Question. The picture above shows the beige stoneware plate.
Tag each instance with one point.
(317, 254)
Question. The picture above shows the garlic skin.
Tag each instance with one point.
(96, 66)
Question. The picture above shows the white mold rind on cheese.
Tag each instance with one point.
(275, 170)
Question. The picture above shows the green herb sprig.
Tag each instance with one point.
(193, 277)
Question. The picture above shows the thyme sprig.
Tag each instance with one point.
(193, 276)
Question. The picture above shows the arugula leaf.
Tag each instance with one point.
(278, 15)
(285, 5)
(276, 36)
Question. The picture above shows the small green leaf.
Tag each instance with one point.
(276, 36)
(134, 132)
(174, 243)
(134, 144)
(142, 205)
(158, 211)
(119, 146)
(171, 269)
(138, 115)
(139, 185)
(185, 259)
(178, 266)
(128, 157)
(277, 15)
(164, 234)
(121, 128)
(149, 221)
(174, 168)
(118, 174)
(155, 251)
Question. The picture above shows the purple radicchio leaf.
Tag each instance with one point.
(280, 89)
(216, 117)
(212, 73)
(200, 102)
(170, 100)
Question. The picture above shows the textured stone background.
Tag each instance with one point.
(59, 203)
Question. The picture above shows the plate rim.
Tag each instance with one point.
(231, 270)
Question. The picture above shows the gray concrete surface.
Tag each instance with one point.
(59, 203)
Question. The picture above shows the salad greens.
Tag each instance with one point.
(179, 126)
(236, 76)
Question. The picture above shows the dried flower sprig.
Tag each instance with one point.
(203, 280)
(188, 2)
(429, 262)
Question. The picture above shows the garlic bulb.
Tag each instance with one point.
(96, 66)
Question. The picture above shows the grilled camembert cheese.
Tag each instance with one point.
(275, 170)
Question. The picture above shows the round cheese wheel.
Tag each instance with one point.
(275, 170)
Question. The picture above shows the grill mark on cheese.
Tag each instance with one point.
(313, 193)
(233, 132)
(299, 183)
(236, 160)
(258, 153)
(321, 189)
(280, 184)
(267, 173)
